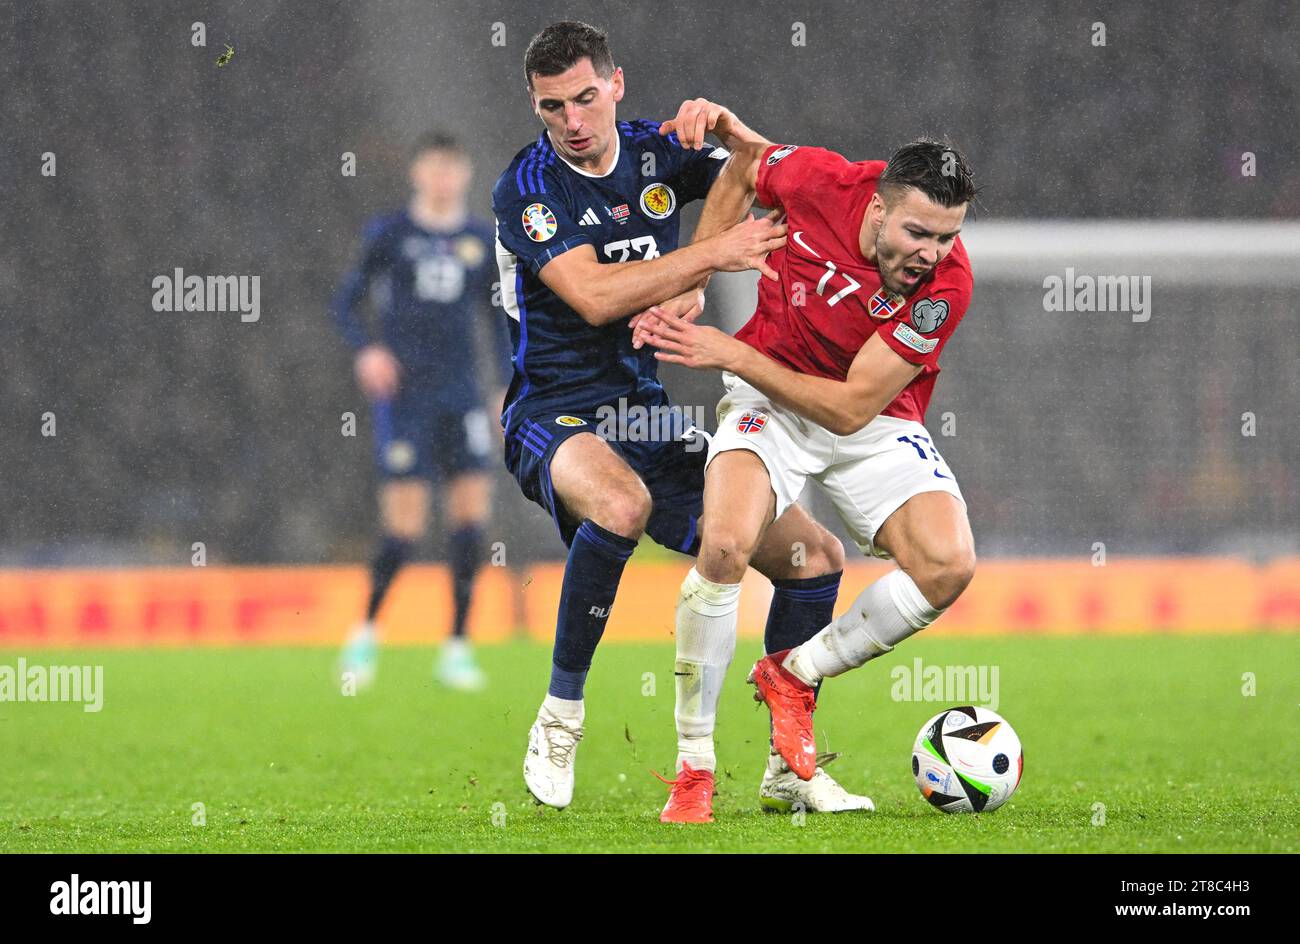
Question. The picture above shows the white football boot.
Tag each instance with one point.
(548, 764)
(782, 789)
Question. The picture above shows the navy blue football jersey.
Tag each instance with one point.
(545, 206)
(430, 289)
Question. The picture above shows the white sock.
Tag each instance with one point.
(706, 642)
(564, 708)
(882, 616)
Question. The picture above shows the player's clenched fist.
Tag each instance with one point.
(746, 244)
(377, 372)
(697, 117)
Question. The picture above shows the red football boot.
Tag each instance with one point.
(791, 703)
(692, 798)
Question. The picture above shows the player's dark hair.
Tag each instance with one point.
(562, 45)
(437, 140)
(935, 168)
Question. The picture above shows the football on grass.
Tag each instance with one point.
(967, 760)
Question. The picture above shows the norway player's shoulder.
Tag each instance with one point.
(805, 157)
(794, 172)
(944, 300)
(919, 332)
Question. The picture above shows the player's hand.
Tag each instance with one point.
(746, 244)
(691, 345)
(377, 372)
(695, 118)
(689, 305)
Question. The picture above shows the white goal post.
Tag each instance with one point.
(1189, 252)
(1222, 252)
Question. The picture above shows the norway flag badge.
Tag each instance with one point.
(752, 422)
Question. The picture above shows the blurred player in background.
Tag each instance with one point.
(830, 380)
(587, 229)
(433, 268)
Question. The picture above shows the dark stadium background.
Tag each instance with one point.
(175, 428)
(1137, 600)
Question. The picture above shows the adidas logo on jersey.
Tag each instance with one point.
(590, 218)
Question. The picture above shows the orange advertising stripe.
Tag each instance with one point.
(316, 605)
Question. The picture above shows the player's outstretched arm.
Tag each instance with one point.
(876, 376)
(732, 194)
(729, 199)
(602, 293)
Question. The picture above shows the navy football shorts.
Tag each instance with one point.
(672, 470)
(417, 434)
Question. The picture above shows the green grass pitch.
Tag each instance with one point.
(1157, 729)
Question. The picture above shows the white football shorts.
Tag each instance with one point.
(868, 475)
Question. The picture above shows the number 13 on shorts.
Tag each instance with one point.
(926, 452)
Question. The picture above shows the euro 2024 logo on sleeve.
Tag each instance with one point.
(539, 222)
(928, 315)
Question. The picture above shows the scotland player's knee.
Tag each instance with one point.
(624, 511)
(814, 554)
(827, 558)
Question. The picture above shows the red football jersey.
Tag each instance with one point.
(829, 299)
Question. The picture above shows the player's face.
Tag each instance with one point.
(577, 107)
(441, 177)
(913, 234)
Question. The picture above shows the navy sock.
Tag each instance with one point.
(464, 553)
(392, 554)
(800, 608)
(591, 576)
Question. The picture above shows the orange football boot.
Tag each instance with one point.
(692, 798)
(791, 703)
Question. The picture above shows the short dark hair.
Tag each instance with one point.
(436, 139)
(936, 168)
(562, 45)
